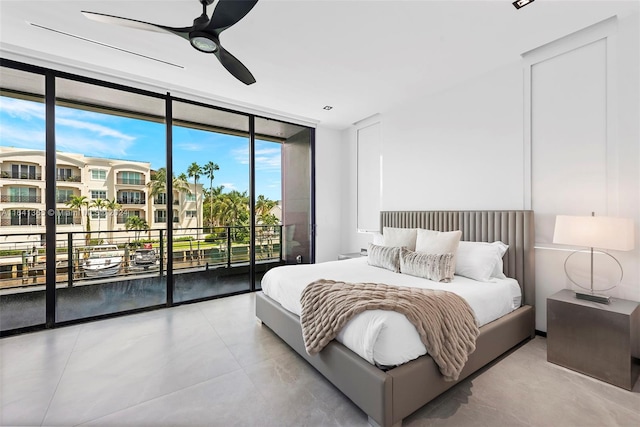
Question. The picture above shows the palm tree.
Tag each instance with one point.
(214, 196)
(264, 206)
(183, 177)
(208, 171)
(194, 171)
(100, 204)
(137, 224)
(232, 209)
(158, 185)
(266, 220)
(112, 206)
(239, 207)
(80, 202)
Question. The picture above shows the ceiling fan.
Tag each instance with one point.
(204, 34)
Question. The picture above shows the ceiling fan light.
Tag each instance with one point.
(204, 44)
(521, 3)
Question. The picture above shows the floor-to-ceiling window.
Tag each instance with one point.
(211, 225)
(107, 145)
(22, 145)
(283, 201)
(150, 200)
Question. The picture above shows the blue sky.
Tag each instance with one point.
(102, 135)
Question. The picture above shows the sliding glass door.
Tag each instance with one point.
(109, 248)
(211, 218)
(283, 202)
(22, 185)
(115, 199)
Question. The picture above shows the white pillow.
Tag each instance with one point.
(437, 242)
(400, 237)
(480, 260)
(378, 239)
(498, 270)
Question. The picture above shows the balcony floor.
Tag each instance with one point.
(25, 307)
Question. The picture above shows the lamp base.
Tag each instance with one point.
(602, 299)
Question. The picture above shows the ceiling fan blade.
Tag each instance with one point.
(139, 25)
(234, 66)
(227, 13)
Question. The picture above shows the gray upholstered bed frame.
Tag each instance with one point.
(389, 396)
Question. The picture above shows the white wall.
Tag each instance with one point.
(330, 164)
(459, 149)
(464, 148)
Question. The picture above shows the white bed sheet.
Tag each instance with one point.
(387, 338)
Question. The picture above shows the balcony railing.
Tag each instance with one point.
(122, 219)
(164, 202)
(5, 222)
(69, 220)
(72, 178)
(20, 199)
(132, 202)
(13, 175)
(130, 181)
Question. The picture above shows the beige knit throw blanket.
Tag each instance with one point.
(445, 322)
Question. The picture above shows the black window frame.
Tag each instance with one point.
(51, 217)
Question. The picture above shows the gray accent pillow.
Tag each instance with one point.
(384, 256)
(436, 267)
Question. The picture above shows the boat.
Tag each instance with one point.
(101, 260)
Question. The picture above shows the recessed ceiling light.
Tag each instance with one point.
(327, 107)
(521, 3)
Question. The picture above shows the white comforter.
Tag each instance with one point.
(387, 338)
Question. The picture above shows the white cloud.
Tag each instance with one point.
(76, 130)
(25, 110)
(266, 158)
(189, 146)
(100, 130)
(267, 162)
(228, 186)
(18, 136)
(92, 147)
(79, 131)
(22, 123)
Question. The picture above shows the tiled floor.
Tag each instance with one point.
(212, 364)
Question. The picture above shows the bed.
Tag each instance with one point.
(389, 395)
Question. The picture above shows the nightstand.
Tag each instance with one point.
(594, 339)
(350, 255)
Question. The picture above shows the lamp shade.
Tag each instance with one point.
(602, 232)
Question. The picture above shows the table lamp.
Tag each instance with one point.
(601, 232)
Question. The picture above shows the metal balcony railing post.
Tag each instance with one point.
(280, 242)
(70, 259)
(161, 252)
(228, 247)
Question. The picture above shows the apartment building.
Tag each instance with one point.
(22, 193)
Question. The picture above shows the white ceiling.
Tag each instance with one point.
(361, 57)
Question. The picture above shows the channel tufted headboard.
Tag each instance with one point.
(515, 228)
